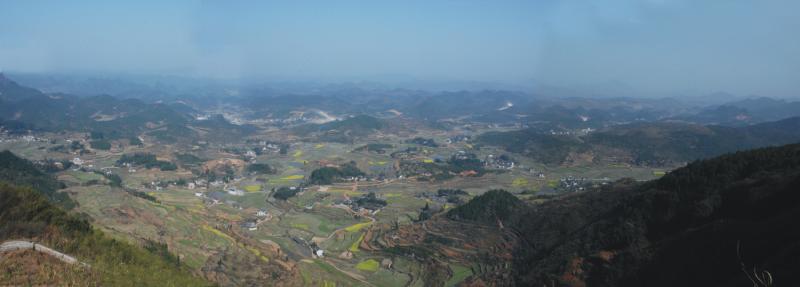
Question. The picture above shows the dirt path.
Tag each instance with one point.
(363, 184)
(348, 273)
(372, 219)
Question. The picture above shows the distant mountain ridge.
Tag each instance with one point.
(114, 117)
(745, 112)
(25, 109)
(655, 143)
(10, 91)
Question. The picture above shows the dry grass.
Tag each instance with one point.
(31, 268)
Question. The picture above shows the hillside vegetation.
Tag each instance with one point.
(345, 131)
(328, 175)
(147, 160)
(680, 230)
(25, 213)
(18, 171)
(646, 143)
(489, 207)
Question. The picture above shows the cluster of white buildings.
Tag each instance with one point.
(26, 138)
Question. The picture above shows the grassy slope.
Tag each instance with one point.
(26, 213)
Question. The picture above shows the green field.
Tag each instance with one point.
(369, 265)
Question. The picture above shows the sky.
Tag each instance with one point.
(664, 47)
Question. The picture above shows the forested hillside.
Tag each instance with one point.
(20, 172)
(680, 230)
(646, 143)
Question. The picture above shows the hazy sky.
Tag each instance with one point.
(666, 46)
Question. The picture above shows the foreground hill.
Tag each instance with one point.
(681, 230)
(645, 143)
(26, 214)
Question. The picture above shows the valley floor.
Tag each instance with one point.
(312, 239)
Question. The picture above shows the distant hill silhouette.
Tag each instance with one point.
(24, 109)
(647, 143)
(345, 130)
(745, 112)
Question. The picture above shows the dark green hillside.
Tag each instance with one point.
(328, 175)
(12, 92)
(745, 112)
(40, 112)
(345, 130)
(284, 192)
(114, 118)
(488, 208)
(15, 127)
(261, 168)
(681, 230)
(660, 143)
(647, 143)
(21, 172)
(544, 147)
(29, 213)
(24, 213)
(657, 143)
(777, 132)
(374, 147)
